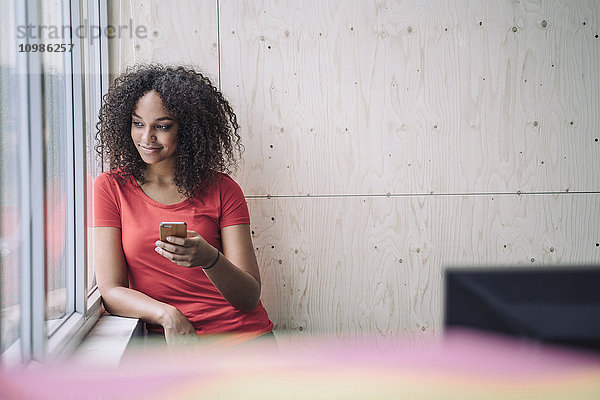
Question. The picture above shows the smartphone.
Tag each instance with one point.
(172, 229)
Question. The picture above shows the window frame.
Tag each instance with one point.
(36, 341)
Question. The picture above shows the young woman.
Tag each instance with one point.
(170, 139)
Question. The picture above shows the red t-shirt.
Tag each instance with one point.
(127, 207)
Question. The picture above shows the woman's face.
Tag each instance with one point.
(153, 130)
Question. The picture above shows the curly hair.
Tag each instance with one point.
(207, 138)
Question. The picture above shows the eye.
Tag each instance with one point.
(136, 123)
(162, 127)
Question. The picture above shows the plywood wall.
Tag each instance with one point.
(388, 139)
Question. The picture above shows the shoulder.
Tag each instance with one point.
(110, 177)
(105, 179)
(233, 207)
(111, 181)
(227, 190)
(225, 183)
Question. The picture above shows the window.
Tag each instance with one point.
(12, 97)
(56, 91)
(49, 102)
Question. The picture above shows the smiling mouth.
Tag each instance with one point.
(150, 149)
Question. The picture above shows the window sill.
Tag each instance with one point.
(108, 340)
(72, 329)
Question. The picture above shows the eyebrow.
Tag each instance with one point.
(157, 119)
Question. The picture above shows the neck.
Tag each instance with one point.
(160, 174)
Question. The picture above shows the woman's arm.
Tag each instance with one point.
(235, 274)
(118, 299)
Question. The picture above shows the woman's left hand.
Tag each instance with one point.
(192, 251)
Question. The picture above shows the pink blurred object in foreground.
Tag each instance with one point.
(463, 365)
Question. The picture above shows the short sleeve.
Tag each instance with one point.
(106, 206)
(234, 210)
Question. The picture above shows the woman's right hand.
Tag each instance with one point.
(179, 331)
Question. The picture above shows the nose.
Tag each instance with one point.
(147, 135)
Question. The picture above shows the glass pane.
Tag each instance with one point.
(91, 103)
(54, 113)
(11, 95)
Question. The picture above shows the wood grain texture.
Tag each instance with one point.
(374, 264)
(442, 105)
(183, 32)
(413, 97)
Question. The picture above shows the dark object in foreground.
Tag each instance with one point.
(549, 304)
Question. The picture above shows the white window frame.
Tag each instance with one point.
(36, 342)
